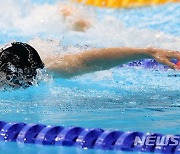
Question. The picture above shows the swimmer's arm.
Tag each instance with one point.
(102, 59)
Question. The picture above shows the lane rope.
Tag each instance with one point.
(86, 138)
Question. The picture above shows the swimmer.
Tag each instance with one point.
(19, 62)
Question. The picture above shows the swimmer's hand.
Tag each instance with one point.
(165, 56)
(102, 59)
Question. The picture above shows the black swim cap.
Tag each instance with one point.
(19, 61)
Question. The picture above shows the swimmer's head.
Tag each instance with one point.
(19, 63)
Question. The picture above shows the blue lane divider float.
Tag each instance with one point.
(92, 138)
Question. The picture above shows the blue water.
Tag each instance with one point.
(125, 98)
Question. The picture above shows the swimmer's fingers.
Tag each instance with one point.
(170, 64)
(165, 56)
(174, 54)
(166, 61)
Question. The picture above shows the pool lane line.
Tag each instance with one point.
(89, 138)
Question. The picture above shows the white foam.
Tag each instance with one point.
(46, 25)
(32, 19)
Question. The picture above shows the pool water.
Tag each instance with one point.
(124, 98)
